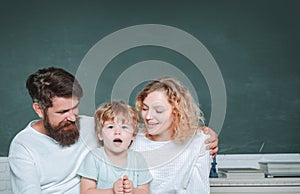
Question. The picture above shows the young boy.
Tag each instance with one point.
(112, 168)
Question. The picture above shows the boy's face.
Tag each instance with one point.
(116, 136)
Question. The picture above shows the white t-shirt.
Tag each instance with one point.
(40, 165)
(176, 168)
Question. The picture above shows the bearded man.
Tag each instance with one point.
(44, 157)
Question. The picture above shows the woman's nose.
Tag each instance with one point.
(148, 115)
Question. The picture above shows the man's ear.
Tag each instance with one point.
(38, 109)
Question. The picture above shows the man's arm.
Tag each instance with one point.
(212, 141)
(23, 173)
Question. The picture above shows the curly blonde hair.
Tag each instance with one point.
(187, 116)
(116, 110)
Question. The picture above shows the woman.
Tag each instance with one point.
(173, 142)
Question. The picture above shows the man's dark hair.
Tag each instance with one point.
(51, 82)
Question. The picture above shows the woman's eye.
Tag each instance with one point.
(159, 111)
(110, 126)
(125, 127)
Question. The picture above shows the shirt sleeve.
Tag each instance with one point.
(23, 171)
(198, 180)
(88, 167)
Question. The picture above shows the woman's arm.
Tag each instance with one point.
(198, 181)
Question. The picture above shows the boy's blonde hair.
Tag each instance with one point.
(116, 110)
(187, 116)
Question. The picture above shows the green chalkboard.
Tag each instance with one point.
(254, 43)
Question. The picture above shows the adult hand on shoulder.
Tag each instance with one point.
(212, 141)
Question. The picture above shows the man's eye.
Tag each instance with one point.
(62, 112)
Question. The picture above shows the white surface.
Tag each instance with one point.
(251, 160)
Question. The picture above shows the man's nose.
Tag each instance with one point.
(72, 116)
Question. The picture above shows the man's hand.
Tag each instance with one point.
(212, 141)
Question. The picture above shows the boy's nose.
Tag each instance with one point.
(118, 130)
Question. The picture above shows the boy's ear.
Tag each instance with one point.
(39, 111)
(99, 137)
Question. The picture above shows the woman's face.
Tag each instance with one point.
(157, 115)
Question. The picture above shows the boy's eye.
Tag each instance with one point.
(124, 126)
(110, 126)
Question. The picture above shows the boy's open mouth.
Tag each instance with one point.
(118, 140)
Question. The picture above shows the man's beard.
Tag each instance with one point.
(66, 133)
